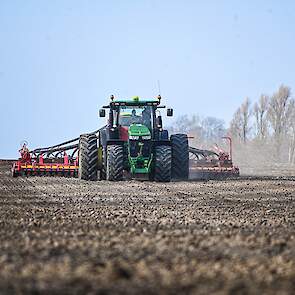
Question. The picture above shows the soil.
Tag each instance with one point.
(62, 235)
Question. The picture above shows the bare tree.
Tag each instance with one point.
(260, 114)
(291, 133)
(246, 113)
(279, 112)
(182, 124)
(212, 129)
(240, 124)
(206, 131)
(274, 122)
(236, 126)
(189, 125)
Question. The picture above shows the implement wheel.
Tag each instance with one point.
(88, 157)
(180, 156)
(115, 163)
(162, 168)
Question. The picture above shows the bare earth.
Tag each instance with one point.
(76, 237)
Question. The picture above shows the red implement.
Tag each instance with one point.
(208, 164)
(52, 161)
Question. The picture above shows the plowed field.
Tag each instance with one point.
(62, 235)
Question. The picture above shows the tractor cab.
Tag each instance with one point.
(129, 115)
(134, 116)
(125, 113)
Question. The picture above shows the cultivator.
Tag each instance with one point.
(61, 160)
(208, 164)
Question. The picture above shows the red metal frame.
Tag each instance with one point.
(208, 164)
(28, 164)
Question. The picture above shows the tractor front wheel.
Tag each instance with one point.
(162, 167)
(115, 163)
(88, 157)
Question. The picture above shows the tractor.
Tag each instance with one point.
(134, 143)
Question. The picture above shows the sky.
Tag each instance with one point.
(61, 60)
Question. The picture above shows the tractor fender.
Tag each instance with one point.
(161, 142)
(115, 142)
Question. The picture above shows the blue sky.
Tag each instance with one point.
(60, 60)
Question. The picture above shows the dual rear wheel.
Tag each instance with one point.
(169, 161)
(88, 160)
(172, 162)
(180, 156)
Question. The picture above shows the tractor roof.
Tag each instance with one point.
(136, 101)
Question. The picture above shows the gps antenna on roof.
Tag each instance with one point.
(159, 87)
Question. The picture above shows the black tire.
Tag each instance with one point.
(162, 167)
(180, 156)
(102, 172)
(115, 163)
(88, 157)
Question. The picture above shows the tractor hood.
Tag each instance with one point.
(136, 130)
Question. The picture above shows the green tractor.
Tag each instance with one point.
(134, 142)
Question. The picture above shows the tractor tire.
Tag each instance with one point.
(88, 157)
(162, 167)
(180, 156)
(102, 172)
(115, 163)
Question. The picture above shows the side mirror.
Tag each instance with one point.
(169, 112)
(102, 112)
(159, 122)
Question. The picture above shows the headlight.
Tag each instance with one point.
(133, 137)
(146, 137)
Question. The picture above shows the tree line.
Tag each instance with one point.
(263, 130)
(268, 123)
(204, 131)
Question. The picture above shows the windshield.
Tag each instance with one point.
(135, 114)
